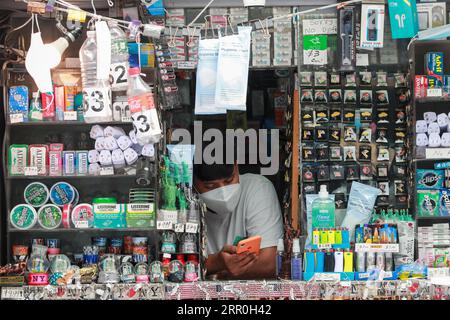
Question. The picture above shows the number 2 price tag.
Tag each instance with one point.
(164, 225)
(30, 171)
(119, 75)
(16, 118)
(82, 224)
(70, 116)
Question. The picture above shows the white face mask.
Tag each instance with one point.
(224, 199)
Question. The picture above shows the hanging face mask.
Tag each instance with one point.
(36, 68)
(222, 200)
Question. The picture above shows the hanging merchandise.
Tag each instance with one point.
(232, 70)
(347, 39)
(404, 19)
(143, 111)
(208, 54)
(96, 91)
(372, 26)
(119, 58)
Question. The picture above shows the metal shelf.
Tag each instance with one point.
(65, 123)
(68, 177)
(73, 230)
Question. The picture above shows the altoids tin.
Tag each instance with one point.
(23, 216)
(50, 216)
(36, 194)
(62, 193)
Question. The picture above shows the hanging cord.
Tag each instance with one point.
(201, 12)
(191, 35)
(93, 7)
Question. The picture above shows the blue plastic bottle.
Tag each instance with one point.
(280, 257)
(296, 261)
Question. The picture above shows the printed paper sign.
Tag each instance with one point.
(315, 50)
(319, 26)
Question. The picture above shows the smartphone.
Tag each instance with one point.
(251, 245)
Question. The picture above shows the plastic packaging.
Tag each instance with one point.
(360, 205)
(119, 57)
(323, 210)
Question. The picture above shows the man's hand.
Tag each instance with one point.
(236, 264)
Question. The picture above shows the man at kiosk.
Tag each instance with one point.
(242, 210)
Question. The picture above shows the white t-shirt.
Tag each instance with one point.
(257, 213)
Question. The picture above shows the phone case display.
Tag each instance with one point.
(353, 128)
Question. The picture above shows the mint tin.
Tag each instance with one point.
(36, 194)
(62, 193)
(23, 216)
(50, 216)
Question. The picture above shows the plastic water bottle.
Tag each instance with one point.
(143, 111)
(88, 61)
(119, 58)
(96, 92)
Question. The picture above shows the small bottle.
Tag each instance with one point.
(35, 108)
(280, 257)
(296, 261)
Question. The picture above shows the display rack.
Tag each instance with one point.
(417, 52)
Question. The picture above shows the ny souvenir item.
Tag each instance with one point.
(349, 153)
(366, 172)
(323, 173)
(335, 78)
(322, 153)
(399, 171)
(349, 116)
(320, 96)
(309, 188)
(307, 95)
(381, 79)
(307, 116)
(382, 97)
(382, 200)
(350, 96)
(400, 154)
(365, 78)
(365, 96)
(321, 134)
(403, 96)
(382, 116)
(382, 171)
(350, 134)
(335, 135)
(340, 201)
(365, 135)
(400, 80)
(335, 114)
(383, 153)
(421, 126)
(365, 153)
(400, 188)
(400, 116)
(307, 134)
(321, 114)
(308, 153)
(430, 117)
(320, 79)
(306, 78)
(352, 172)
(365, 115)
(335, 153)
(308, 174)
(335, 95)
(337, 172)
(400, 135)
(350, 80)
(384, 188)
(381, 135)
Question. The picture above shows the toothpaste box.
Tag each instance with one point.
(434, 64)
(429, 179)
(446, 86)
(420, 86)
(18, 101)
(39, 158)
(17, 159)
(434, 82)
(107, 216)
(59, 102)
(140, 215)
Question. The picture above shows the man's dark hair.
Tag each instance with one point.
(210, 172)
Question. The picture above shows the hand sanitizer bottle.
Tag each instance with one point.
(323, 210)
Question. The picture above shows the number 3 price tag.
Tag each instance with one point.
(191, 227)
